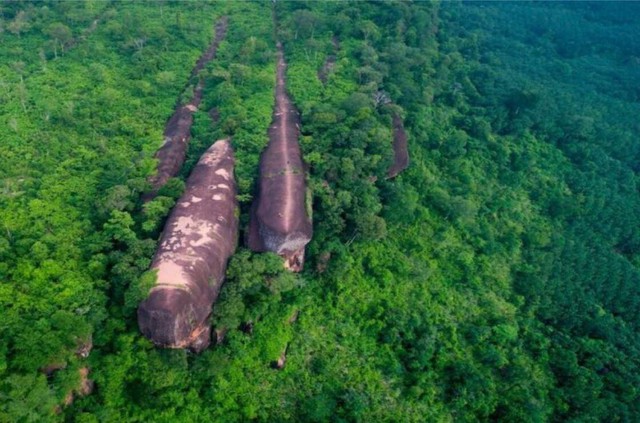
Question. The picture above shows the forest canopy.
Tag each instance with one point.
(497, 278)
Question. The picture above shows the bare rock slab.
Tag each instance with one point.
(400, 148)
(198, 239)
(280, 222)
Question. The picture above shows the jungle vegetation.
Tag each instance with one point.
(496, 279)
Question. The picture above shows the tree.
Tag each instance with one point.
(60, 34)
(19, 24)
(305, 23)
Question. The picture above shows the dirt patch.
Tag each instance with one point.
(279, 220)
(198, 239)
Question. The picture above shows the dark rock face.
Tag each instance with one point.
(198, 239)
(400, 150)
(279, 220)
(177, 131)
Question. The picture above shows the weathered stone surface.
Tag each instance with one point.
(400, 148)
(199, 236)
(279, 219)
(171, 155)
(177, 131)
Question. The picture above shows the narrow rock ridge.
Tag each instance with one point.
(177, 132)
(282, 359)
(330, 62)
(198, 239)
(279, 220)
(400, 148)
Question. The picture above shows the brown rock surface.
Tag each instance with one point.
(279, 219)
(199, 236)
(177, 132)
(170, 156)
(400, 149)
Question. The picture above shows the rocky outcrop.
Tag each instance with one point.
(282, 359)
(177, 132)
(199, 236)
(330, 62)
(83, 349)
(171, 155)
(400, 149)
(210, 53)
(280, 221)
(85, 387)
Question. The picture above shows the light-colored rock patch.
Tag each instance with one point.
(222, 172)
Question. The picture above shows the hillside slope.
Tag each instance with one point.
(495, 279)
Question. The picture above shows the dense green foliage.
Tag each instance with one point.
(498, 278)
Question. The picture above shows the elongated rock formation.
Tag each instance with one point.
(177, 132)
(330, 62)
(280, 221)
(198, 238)
(400, 150)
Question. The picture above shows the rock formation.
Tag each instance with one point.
(282, 359)
(330, 62)
(170, 156)
(280, 221)
(199, 236)
(400, 150)
(177, 132)
(84, 388)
